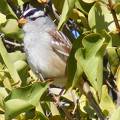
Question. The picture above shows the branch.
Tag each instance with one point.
(114, 15)
(59, 105)
(13, 43)
(91, 100)
(55, 13)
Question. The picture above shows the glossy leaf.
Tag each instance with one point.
(40, 112)
(5, 9)
(106, 102)
(82, 6)
(115, 39)
(3, 94)
(71, 66)
(100, 18)
(58, 5)
(113, 57)
(118, 78)
(20, 65)
(11, 29)
(67, 8)
(2, 18)
(90, 59)
(17, 55)
(8, 63)
(116, 114)
(55, 112)
(23, 99)
(117, 8)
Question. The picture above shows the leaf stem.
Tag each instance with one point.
(114, 15)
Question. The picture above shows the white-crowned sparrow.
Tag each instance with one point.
(47, 49)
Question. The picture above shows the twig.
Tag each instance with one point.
(55, 13)
(57, 16)
(58, 104)
(75, 107)
(9, 42)
(114, 15)
(13, 43)
(68, 115)
(91, 100)
(107, 82)
(15, 9)
(75, 101)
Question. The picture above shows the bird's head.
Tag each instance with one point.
(31, 14)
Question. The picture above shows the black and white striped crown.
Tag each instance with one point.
(33, 13)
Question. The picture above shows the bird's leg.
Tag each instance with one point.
(76, 101)
(56, 94)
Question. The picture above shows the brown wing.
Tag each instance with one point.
(60, 44)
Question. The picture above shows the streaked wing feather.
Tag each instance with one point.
(60, 44)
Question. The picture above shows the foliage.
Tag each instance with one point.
(93, 87)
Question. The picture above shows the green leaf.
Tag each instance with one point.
(117, 8)
(115, 115)
(19, 2)
(11, 29)
(116, 1)
(72, 66)
(40, 112)
(2, 117)
(22, 68)
(89, 1)
(67, 8)
(3, 94)
(82, 6)
(58, 4)
(78, 74)
(2, 18)
(5, 9)
(20, 65)
(100, 18)
(23, 99)
(6, 82)
(54, 109)
(115, 39)
(106, 102)
(17, 55)
(90, 59)
(113, 57)
(70, 95)
(8, 63)
(20, 106)
(118, 78)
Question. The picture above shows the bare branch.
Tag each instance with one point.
(13, 43)
(92, 101)
(110, 5)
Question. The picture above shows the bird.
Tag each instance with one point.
(46, 48)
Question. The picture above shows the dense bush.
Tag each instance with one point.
(93, 86)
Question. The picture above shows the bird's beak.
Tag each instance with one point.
(22, 21)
